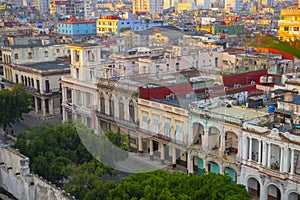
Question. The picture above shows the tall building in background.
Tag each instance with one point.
(289, 24)
(42, 5)
(148, 6)
(168, 4)
(204, 4)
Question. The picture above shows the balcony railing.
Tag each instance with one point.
(136, 126)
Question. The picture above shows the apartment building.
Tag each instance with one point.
(289, 24)
(39, 68)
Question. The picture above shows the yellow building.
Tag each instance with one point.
(181, 6)
(158, 40)
(107, 24)
(169, 126)
(141, 6)
(289, 24)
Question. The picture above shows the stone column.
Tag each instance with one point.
(43, 107)
(222, 144)
(51, 106)
(286, 160)
(269, 155)
(281, 159)
(162, 153)
(264, 156)
(36, 105)
(151, 149)
(250, 149)
(174, 157)
(190, 166)
(140, 145)
(65, 116)
(259, 152)
(245, 147)
(292, 161)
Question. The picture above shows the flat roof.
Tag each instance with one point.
(238, 112)
(46, 66)
(84, 45)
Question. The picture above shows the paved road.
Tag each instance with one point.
(30, 119)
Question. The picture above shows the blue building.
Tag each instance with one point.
(138, 24)
(77, 28)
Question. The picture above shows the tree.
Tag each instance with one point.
(166, 185)
(86, 180)
(13, 103)
(51, 149)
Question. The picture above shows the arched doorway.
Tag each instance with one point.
(254, 188)
(200, 166)
(213, 167)
(231, 172)
(294, 196)
(198, 132)
(274, 193)
(214, 138)
(231, 143)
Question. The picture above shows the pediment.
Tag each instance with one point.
(274, 134)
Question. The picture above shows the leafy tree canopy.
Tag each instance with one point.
(164, 185)
(51, 149)
(13, 103)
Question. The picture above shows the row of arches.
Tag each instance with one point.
(122, 108)
(273, 191)
(215, 168)
(214, 138)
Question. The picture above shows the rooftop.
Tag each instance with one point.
(239, 112)
(46, 66)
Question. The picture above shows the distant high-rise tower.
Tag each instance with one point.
(148, 6)
(42, 5)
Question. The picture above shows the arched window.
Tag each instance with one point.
(121, 109)
(131, 111)
(111, 106)
(102, 103)
(22, 78)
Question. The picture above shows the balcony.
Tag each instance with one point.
(136, 126)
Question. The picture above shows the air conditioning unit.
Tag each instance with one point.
(168, 97)
(253, 83)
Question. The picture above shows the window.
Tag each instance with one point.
(29, 55)
(145, 122)
(286, 28)
(177, 66)
(46, 54)
(167, 129)
(178, 133)
(89, 122)
(102, 103)
(88, 101)
(155, 125)
(47, 85)
(77, 73)
(296, 28)
(91, 56)
(78, 97)
(131, 111)
(111, 106)
(16, 56)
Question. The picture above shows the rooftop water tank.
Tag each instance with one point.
(271, 109)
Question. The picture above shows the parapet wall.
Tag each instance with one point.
(15, 177)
